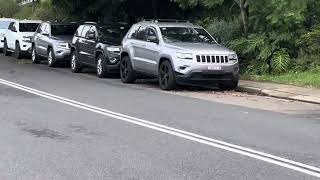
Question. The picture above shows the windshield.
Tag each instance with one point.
(186, 34)
(4, 24)
(113, 34)
(63, 30)
(28, 27)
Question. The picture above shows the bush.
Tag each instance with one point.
(8, 8)
(223, 30)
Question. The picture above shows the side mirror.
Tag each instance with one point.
(153, 39)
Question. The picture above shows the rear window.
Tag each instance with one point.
(28, 27)
(66, 30)
(4, 24)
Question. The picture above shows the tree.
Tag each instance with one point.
(8, 8)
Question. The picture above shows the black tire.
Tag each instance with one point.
(228, 86)
(127, 73)
(5, 49)
(166, 76)
(34, 56)
(51, 58)
(17, 52)
(102, 70)
(74, 63)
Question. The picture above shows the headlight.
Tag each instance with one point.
(184, 55)
(233, 58)
(63, 46)
(114, 49)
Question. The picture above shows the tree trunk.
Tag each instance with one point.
(244, 8)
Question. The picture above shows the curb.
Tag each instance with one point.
(262, 92)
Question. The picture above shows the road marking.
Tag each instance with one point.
(283, 162)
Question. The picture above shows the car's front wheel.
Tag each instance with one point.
(34, 56)
(18, 53)
(166, 76)
(102, 70)
(127, 73)
(5, 49)
(51, 58)
(75, 65)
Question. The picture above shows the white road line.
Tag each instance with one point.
(293, 165)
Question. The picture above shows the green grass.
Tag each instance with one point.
(305, 79)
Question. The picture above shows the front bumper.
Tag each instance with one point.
(62, 54)
(203, 76)
(1, 42)
(114, 68)
(25, 47)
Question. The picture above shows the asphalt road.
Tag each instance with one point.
(46, 137)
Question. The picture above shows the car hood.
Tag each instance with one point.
(63, 38)
(201, 48)
(2, 32)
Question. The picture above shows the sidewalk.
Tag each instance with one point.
(310, 95)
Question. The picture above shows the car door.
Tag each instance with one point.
(40, 37)
(90, 45)
(81, 44)
(11, 35)
(138, 44)
(150, 51)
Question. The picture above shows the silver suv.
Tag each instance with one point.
(52, 41)
(177, 52)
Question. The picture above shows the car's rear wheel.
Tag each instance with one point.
(228, 86)
(18, 53)
(75, 65)
(127, 73)
(5, 49)
(102, 70)
(51, 58)
(166, 76)
(34, 56)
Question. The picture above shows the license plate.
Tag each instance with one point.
(214, 68)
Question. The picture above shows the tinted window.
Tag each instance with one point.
(4, 24)
(113, 34)
(85, 30)
(11, 26)
(152, 34)
(78, 33)
(186, 34)
(68, 30)
(133, 32)
(28, 27)
(142, 34)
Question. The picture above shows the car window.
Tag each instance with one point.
(66, 30)
(142, 33)
(112, 34)
(4, 24)
(43, 28)
(84, 31)
(133, 32)
(151, 34)
(12, 27)
(28, 27)
(79, 31)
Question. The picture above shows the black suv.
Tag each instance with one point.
(98, 45)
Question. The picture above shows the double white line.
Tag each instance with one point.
(293, 165)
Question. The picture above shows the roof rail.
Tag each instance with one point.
(166, 20)
(90, 23)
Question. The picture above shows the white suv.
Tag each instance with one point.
(4, 24)
(18, 37)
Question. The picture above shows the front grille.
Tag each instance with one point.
(212, 59)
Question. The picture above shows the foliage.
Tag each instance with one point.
(8, 8)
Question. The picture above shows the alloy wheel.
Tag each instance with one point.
(73, 62)
(164, 75)
(124, 69)
(99, 66)
(50, 58)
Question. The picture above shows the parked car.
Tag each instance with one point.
(98, 45)
(177, 52)
(18, 37)
(52, 41)
(4, 24)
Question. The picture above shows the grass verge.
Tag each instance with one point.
(305, 79)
